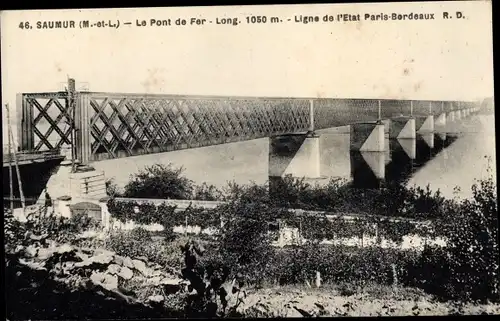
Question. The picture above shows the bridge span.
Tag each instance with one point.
(116, 125)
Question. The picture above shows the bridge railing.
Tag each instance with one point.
(25, 155)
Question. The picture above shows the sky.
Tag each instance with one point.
(432, 59)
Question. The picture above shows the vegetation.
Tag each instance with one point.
(159, 181)
(208, 297)
(217, 272)
(167, 182)
(472, 257)
(470, 228)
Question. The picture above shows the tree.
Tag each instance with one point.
(471, 230)
(159, 181)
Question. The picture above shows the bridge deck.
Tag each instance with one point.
(24, 158)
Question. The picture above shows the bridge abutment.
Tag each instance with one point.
(58, 184)
(84, 184)
(88, 184)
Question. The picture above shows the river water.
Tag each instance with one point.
(469, 150)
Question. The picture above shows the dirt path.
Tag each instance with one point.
(288, 302)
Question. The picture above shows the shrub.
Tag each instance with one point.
(341, 197)
(14, 231)
(164, 214)
(425, 202)
(40, 228)
(208, 297)
(205, 192)
(430, 272)
(80, 222)
(471, 229)
(467, 269)
(159, 181)
(245, 244)
(395, 231)
(144, 213)
(289, 192)
(134, 243)
(246, 193)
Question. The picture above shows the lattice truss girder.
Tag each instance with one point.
(340, 112)
(51, 122)
(131, 123)
(393, 108)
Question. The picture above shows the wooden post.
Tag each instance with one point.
(300, 230)
(20, 120)
(411, 107)
(11, 187)
(379, 110)
(20, 185)
(318, 279)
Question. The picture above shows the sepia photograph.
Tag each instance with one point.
(257, 161)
